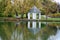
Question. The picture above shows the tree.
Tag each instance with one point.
(49, 6)
(2, 7)
(23, 6)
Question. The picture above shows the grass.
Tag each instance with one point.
(44, 18)
(53, 18)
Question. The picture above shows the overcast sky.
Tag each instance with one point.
(58, 1)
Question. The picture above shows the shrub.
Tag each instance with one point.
(56, 15)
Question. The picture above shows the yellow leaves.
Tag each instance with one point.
(7, 9)
(23, 6)
(21, 1)
(0, 0)
(55, 15)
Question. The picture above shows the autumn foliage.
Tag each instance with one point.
(10, 8)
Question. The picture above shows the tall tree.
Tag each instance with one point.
(3, 4)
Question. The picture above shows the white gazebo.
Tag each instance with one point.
(34, 14)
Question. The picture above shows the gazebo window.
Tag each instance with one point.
(37, 16)
(30, 16)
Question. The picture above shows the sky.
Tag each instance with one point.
(57, 1)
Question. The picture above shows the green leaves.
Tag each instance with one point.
(23, 6)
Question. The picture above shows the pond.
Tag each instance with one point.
(22, 31)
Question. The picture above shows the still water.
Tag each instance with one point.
(24, 30)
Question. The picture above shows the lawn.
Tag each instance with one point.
(53, 18)
(43, 17)
(49, 18)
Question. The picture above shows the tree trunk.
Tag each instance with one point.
(22, 16)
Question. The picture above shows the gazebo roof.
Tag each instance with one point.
(34, 30)
(34, 9)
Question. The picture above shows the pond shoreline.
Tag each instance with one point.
(19, 19)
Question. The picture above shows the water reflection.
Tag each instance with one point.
(56, 36)
(34, 24)
(34, 30)
(21, 31)
(17, 34)
(0, 38)
(34, 27)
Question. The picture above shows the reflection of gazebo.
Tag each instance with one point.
(34, 30)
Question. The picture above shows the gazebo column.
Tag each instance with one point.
(40, 19)
(34, 22)
(28, 21)
(39, 15)
(28, 15)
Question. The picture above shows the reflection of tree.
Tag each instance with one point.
(7, 28)
(54, 24)
(28, 35)
(46, 32)
(18, 32)
(56, 36)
